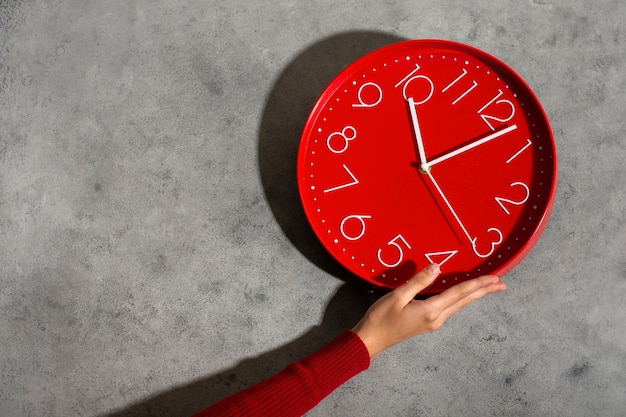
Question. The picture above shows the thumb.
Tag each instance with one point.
(419, 282)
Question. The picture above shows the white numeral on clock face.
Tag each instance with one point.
(347, 134)
(349, 184)
(359, 95)
(502, 201)
(360, 219)
(426, 95)
(396, 243)
(409, 75)
(466, 92)
(503, 116)
(493, 243)
(433, 257)
(528, 143)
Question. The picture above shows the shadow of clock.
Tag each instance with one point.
(286, 110)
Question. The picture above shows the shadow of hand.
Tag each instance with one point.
(343, 311)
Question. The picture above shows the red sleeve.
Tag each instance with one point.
(300, 386)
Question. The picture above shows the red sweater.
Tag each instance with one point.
(300, 386)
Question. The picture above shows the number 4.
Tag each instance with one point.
(433, 257)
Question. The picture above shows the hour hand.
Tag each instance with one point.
(417, 133)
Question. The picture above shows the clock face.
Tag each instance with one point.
(427, 151)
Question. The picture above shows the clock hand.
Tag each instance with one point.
(472, 145)
(456, 217)
(471, 239)
(418, 135)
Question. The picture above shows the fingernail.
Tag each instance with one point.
(433, 269)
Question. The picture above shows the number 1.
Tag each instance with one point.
(528, 143)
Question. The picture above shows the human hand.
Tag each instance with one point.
(397, 316)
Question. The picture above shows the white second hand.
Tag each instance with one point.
(449, 206)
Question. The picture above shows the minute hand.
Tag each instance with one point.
(472, 145)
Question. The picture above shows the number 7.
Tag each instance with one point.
(339, 187)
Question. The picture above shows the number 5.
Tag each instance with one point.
(394, 242)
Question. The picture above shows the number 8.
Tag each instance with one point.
(345, 137)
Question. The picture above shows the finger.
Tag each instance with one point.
(419, 282)
(470, 298)
(458, 292)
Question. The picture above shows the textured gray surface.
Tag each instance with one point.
(153, 254)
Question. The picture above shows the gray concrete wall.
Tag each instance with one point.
(153, 254)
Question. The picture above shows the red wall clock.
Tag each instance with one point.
(427, 151)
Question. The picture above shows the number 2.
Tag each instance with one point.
(501, 201)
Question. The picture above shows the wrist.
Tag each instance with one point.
(369, 339)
